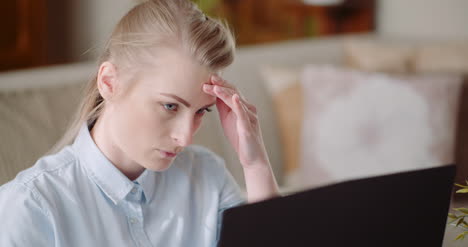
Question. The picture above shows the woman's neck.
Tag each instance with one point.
(102, 137)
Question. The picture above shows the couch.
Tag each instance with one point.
(35, 105)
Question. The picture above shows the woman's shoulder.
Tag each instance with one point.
(45, 168)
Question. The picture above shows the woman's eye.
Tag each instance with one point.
(173, 107)
(202, 111)
(170, 107)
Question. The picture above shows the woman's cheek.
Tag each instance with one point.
(197, 123)
(159, 118)
(153, 113)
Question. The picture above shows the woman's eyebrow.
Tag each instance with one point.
(182, 100)
(210, 105)
(176, 98)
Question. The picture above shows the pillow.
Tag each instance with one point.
(441, 58)
(285, 89)
(32, 121)
(359, 124)
(461, 155)
(377, 56)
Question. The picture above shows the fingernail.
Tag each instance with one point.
(216, 78)
(208, 86)
(219, 89)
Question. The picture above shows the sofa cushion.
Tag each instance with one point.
(378, 56)
(359, 124)
(450, 57)
(285, 89)
(32, 121)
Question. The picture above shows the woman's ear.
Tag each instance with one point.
(107, 80)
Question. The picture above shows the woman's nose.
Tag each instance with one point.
(183, 133)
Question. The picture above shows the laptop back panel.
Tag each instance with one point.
(404, 209)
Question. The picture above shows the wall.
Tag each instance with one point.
(421, 19)
(92, 23)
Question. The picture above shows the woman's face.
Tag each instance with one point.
(161, 110)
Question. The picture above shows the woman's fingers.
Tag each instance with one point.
(242, 114)
(226, 93)
(251, 108)
(217, 80)
(220, 82)
(223, 93)
(208, 88)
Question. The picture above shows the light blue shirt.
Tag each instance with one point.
(77, 197)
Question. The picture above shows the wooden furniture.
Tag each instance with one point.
(255, 21)
(34, 33)
(349, 17)
(260, 21)
(23, 39)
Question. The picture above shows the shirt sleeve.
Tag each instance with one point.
(230, 195)
(24, 222)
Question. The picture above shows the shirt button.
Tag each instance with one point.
(133, 220)
(134, 191)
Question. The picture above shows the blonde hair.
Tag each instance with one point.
(148, 26)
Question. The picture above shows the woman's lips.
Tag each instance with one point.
(167, 154)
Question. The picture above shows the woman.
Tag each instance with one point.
(125, 174)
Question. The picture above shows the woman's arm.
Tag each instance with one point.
(240, 125)
(260, 183)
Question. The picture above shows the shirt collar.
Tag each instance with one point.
(147, 180)
(111, 181)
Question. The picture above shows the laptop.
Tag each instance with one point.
(403, 209)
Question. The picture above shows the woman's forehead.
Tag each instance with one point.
(173, 68)
(185, 82)
(175, 81)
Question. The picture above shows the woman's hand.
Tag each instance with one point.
(240, 122)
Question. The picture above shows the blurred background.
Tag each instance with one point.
(345, 89)
(44, 32)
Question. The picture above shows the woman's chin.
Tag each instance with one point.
(160, 164)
